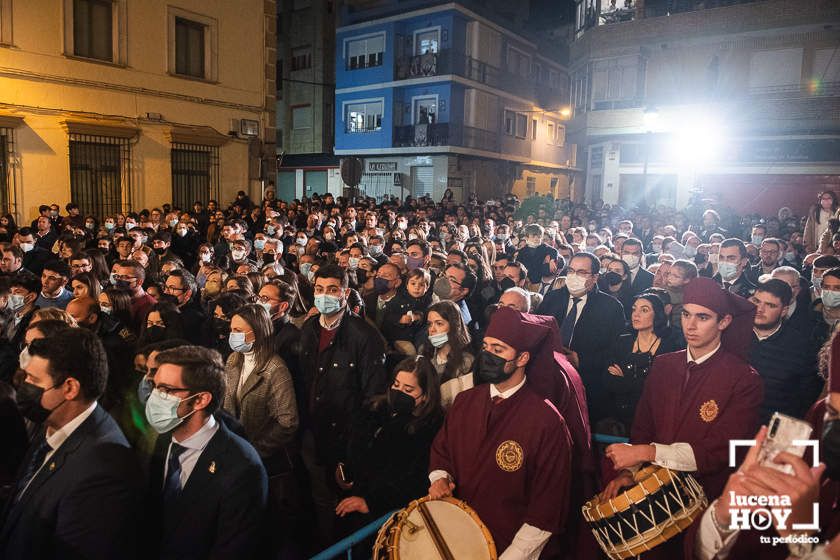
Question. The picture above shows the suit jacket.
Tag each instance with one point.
(642, 282)
(83, 503)
(265, 406)
(600, 323)
(220, 511)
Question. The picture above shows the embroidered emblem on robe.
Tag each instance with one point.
(509, 456)
(709, 411)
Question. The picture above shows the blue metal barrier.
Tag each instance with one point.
(604, 438)
(346, 544)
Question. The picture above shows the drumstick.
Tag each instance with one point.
(437, 538)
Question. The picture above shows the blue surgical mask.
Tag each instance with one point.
(270, 230)
(728, 271)
(162, 411)
(327, 305)
(144, 389)
(304, 268)
(353, 263)
(109, 225)
(375, 250)
(266, 306)
(439, 339)
(259, 244)
(757, 239)
(16, 301)
(237, 342)
(830, 298)
(173, 223)
(105, 309)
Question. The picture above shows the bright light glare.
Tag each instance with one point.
(697, 141)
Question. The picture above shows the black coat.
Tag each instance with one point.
(787, 363)
(85, 502)
(600, 323)
(195, 323)
(221, 510)
(34, 260)
(534, 260)
(338, 380)
(642, 282)
(387, 463)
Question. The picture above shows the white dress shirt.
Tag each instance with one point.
(59, 436)
(194, 444)
(529, 541)
(581, 305)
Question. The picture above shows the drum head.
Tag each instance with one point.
(462, 534)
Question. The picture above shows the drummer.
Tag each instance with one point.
(696, 400)
(504, 449)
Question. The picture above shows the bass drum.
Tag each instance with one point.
(445, 529)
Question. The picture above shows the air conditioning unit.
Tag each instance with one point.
(244, 128)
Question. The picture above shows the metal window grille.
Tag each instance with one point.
(100, 174)
(7, 176)
(195, 174)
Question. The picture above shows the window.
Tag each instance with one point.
(509, 122)
(427, 41)
(549, 127)
(521, 125)
(302, 117)
(92, 29)
(531, 186)
(192, 47)
(100, 178)
(279, 78)
(776, 69)
(5, 22)
(518, 62)
(189, 48)
(301, 58)
(195, 174)
(533, 129)
(365, 52)
(615, 83)
(536, 72)
(363, 116)
(481, 110)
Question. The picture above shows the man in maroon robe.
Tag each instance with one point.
(504, 449)
(696, 400)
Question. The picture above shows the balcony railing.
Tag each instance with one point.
(445, 134)
(448, 61)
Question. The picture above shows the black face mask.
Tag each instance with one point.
(28, 400)
(830, 448)
(268, 258)
(613, 278)
(155, 334)
(506, 284)
(700, 258)
(491, 369)
(221, 327)
(160, 250)
(401, 403)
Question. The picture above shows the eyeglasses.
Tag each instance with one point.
(51, 278)
(579, 273)
(166, 389)
(169, 288)
(123, 277)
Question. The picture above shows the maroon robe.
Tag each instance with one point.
(720, 402)
(534, 483)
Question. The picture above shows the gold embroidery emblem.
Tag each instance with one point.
(212, 467)
(509, 456)
(709, 411)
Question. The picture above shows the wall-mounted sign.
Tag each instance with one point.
(382, 166)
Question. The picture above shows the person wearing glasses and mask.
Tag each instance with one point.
(589, 320)
(181, 285)
(208, 485)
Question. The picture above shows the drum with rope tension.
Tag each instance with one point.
(660, 505)
(445, 529)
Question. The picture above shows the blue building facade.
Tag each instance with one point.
(440, 97)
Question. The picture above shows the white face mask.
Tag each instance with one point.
(26, 247)
(575, 284)
(631, 260)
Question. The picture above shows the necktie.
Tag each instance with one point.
(497, 399)
(567, 330)
(32, 468)
(687, 375)
(172, 484)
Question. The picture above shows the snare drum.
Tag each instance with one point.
(446, 529)
(661, 504)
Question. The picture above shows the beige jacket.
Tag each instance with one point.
(265, 406)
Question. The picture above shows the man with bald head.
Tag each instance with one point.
(117, 340)
(516, 298)
(799, 311)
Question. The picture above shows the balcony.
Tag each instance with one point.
(448, 62)
(445, 134)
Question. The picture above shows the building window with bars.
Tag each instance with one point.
(189, 48)
(100, 177)
(301, 58)
(195, 174)
(93, 29)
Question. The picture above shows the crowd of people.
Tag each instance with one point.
(260, 380)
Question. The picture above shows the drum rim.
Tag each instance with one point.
(400, 516)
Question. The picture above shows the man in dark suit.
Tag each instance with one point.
(732, 268)
(208, 486)
(632, 253)
(590, 321)
(78, 491)
(34, 257)
(181, 285)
